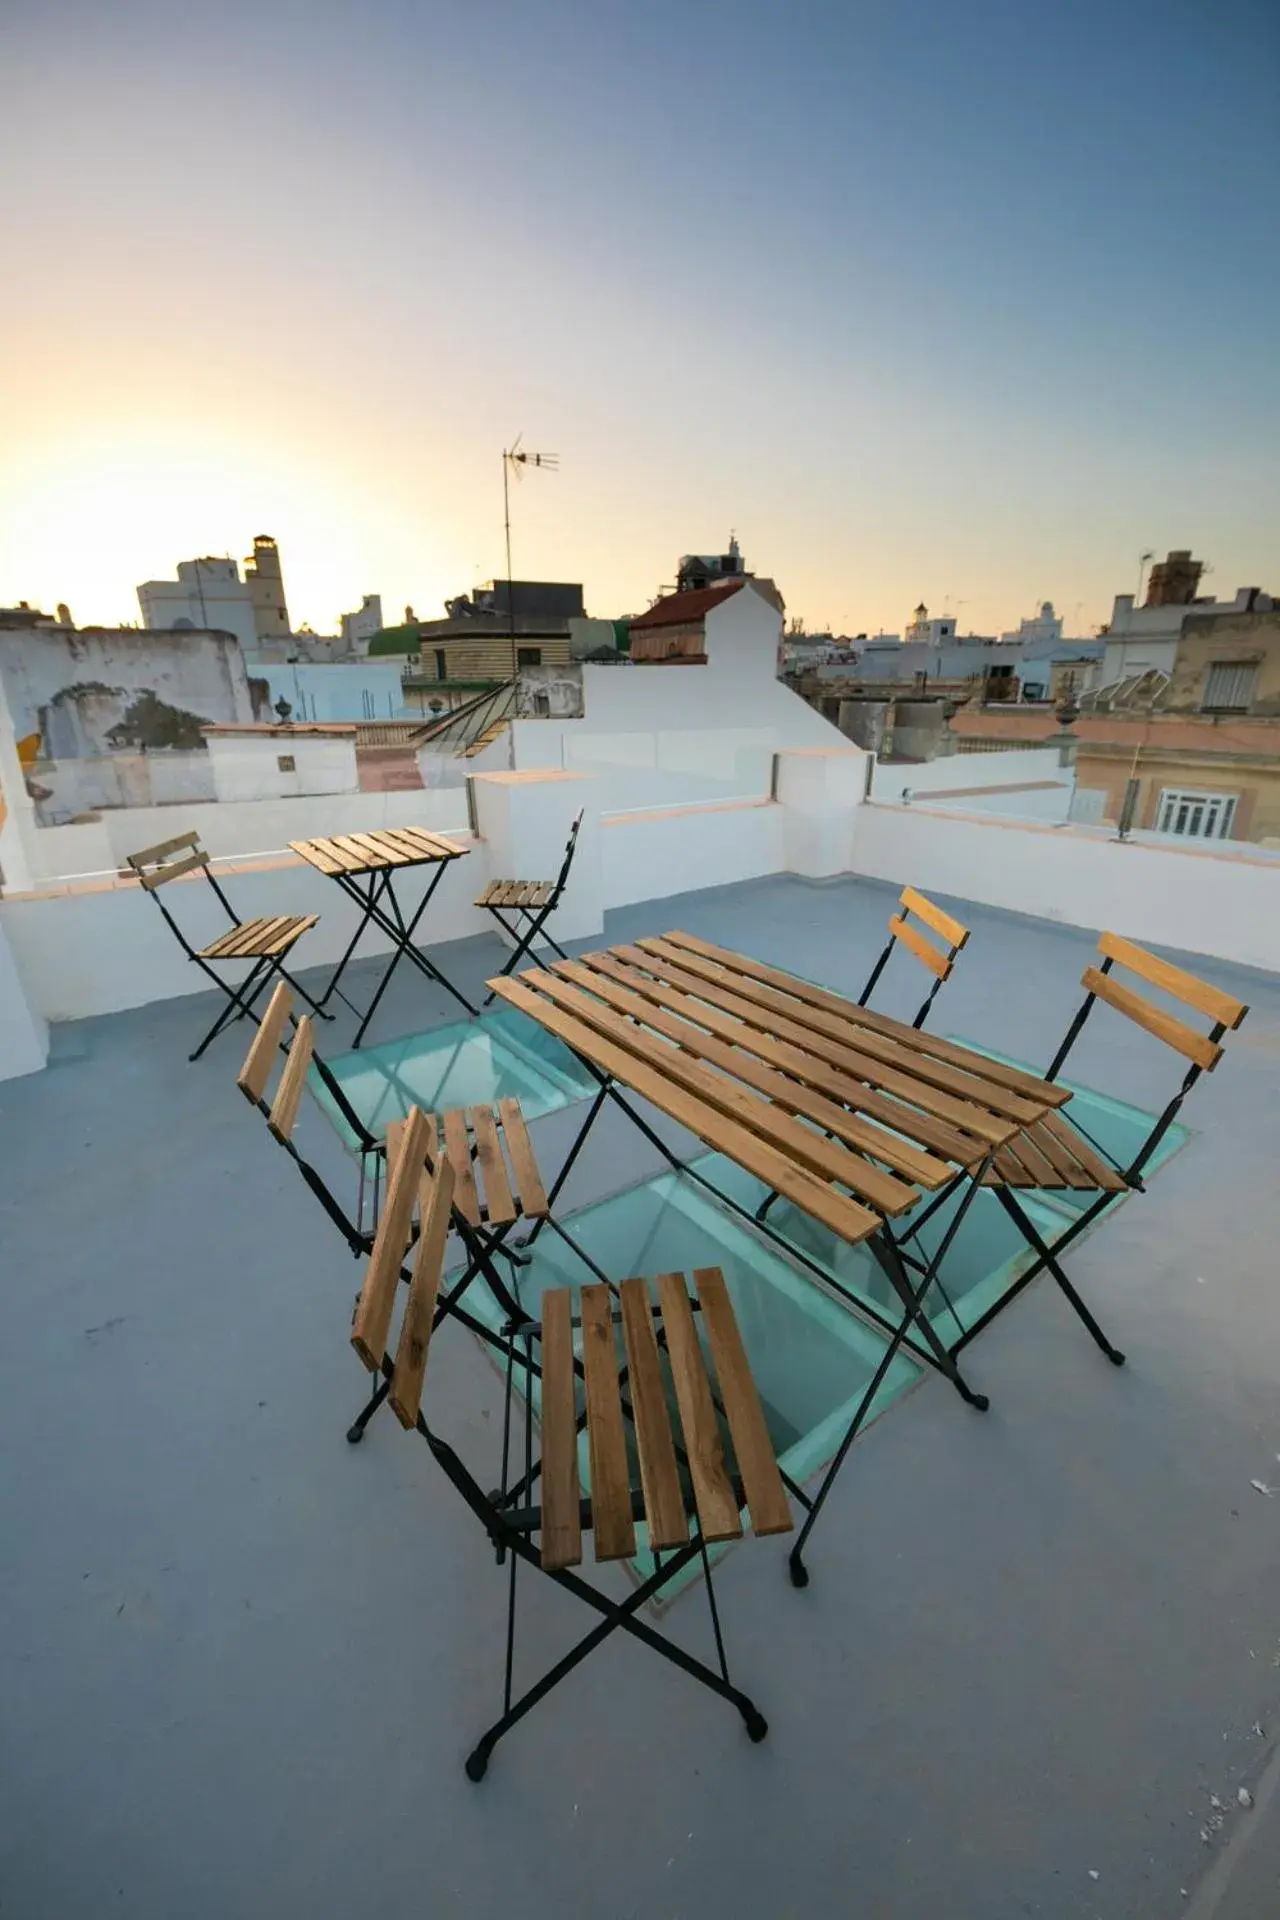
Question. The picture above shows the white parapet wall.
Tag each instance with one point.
(1221, 902)
(282, 763)
(1026, 783)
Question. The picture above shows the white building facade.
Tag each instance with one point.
(209, 594)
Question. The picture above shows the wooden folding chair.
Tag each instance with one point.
(939, 960)
(492, 1195)
(288, 1044)
(686, 1494)
(1057, 1152)
(265, 941)
(523, 907)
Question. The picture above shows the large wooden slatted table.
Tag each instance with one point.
(850, 1115)
(367, 867)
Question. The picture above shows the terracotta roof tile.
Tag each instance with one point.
(682, 609)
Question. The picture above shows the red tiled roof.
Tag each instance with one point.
(682, 609)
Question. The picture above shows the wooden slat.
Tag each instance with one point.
(241, 943)
(801, 1145)
(316, 854)
(942, 923)
(1222, 1008)
(967, 1087)
(1059, 1154)
(561, 1515)
(162, 848)
(659, 1475)
(1098, 1172)
(436, 1195)
(434, 845)
(284, 1108)
(849, 1055)
(485, 899)
(1031, 1165)
(407, 843)
(712, 1489)
(498, 1202)
(1175, 1033)
(173, 872)
(844, 1216)
(381, 847)
(543, 892)
(292, 934)
(458, 1148)
(807, 1061)
(611, 1520)
(529, 1188)
(918, 1039)
(372, 1319)
(256, 1071)
(395, 1140)
(344, 861)
(924, 950)
(757, 1463)
(881, 1189)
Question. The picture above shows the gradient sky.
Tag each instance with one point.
(961, 300)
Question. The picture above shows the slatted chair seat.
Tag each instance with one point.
(263, 942)
(522, 908)
(491, 1189)
(516, 893)
(1051, 1154)
(258, 939)
(659, 1342)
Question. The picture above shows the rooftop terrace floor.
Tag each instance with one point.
(242, 1662)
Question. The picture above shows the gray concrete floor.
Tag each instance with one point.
(242, 1662)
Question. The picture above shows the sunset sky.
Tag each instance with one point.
(967, 301)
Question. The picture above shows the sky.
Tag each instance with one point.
(962, 301)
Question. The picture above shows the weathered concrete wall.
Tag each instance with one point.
(283, 764)
(102, 689)
(1237, 637)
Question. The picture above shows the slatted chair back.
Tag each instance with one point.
(938, 954)
(169, 860)
(421, 1182)
(296, 1058)
(1202, 1050)
(570, 848)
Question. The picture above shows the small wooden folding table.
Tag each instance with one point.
(366, 866)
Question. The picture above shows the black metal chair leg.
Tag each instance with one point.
(355, 1432)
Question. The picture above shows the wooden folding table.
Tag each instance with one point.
(367, 866)
(851, 1116)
